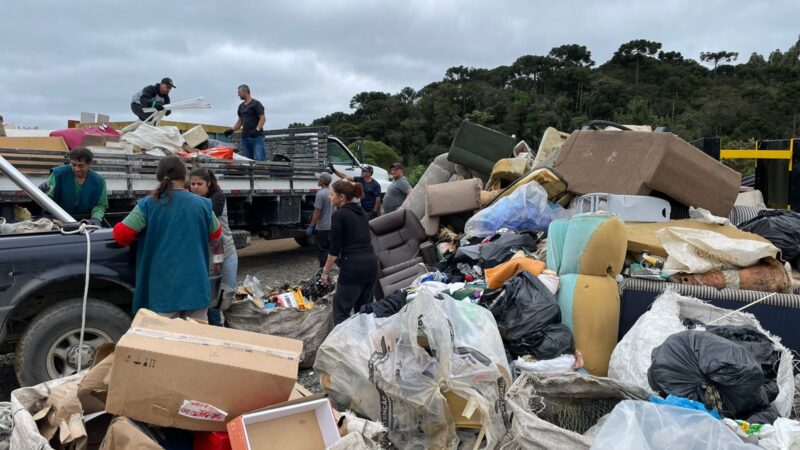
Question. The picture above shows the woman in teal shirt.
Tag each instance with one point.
(173, 227)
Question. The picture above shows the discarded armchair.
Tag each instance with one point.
(399, 241)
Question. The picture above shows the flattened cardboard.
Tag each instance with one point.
(177, 373)
(637, 163)
(93, 388)
(305, 424)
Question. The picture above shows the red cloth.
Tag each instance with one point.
(211, 440)
(124, 234)
(74, 136)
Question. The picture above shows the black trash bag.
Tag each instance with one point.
(503, 246)
(765, 416)
(386, 307)
(690, 362)
(529, 318)
(757, 344)
(781, 227)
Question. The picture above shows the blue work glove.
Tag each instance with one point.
(96, 222)
(310, 231)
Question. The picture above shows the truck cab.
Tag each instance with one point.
(345, 162)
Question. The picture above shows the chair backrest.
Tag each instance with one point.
(396, 237)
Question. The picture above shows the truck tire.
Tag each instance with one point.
(304, 241)
(241, 238)
(48, 348)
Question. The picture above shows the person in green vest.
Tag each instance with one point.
(173, 228)
(77, 188)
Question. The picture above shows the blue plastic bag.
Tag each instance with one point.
(526, 209)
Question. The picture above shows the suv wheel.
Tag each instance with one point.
(49, 348)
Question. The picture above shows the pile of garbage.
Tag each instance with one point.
(543, 243)
(178, 384)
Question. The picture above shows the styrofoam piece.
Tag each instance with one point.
(630, 208)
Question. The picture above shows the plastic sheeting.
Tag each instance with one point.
(149, 137)
(526, 209)
(381, 369)
(638, 425)
(554, 411)
(311, 326)
(630, 360)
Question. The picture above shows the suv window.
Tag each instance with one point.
(337, 155)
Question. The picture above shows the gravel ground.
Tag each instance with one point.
(273, 262)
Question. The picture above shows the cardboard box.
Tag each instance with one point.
(195, 136)
(124, 433)
(182, 374)
(304, 424)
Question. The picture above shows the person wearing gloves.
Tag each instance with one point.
(173, 228)
(77, 188)
(372, 189)
(251, 121)
(321, 219)
(351, 249)
(204, 183)
(153, 96)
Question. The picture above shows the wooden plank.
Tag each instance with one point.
(34, 143)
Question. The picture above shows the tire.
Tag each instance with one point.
(241, 238)
(304, 241)
(50, 342)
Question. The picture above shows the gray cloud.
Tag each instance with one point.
(306, 59)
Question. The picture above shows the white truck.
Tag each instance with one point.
(273, 199)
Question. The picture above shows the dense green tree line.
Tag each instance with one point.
(641, 84)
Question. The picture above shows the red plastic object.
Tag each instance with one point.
(74, 136)
(212, 440)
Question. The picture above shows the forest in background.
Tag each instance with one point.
(721, 93)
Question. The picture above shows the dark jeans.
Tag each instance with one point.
(351, 297)
(323, 243)
(137, 109)
(253, 148)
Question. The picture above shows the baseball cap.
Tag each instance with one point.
(168, 82)
(366, 168)
(325, 178)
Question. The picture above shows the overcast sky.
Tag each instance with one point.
(306, 59)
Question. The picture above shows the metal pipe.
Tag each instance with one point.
(38, 196)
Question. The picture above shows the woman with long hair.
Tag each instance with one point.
(173, 228)
(204, 183)
(351, 249)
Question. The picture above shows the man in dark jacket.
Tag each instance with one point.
(154, 96)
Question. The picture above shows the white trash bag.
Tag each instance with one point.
(381, 369)
(641, 425)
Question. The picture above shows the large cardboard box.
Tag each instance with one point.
(638, 163)
(183, 374)
(303, 424)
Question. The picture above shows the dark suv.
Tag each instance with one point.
(41, 292)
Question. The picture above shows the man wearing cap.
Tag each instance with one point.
(153, 96)
(251, 121)
(398, 190)
(321, 219)
(371, 203)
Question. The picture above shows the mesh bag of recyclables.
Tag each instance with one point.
(555, 411)
(398, 369)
